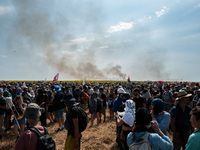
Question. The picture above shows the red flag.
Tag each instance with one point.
(56, 77)
(2, 82)
(128, 79)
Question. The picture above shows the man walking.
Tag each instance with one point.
(180, 120)
(72, 123)
(59, 106)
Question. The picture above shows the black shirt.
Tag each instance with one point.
(40, 99)
(103, 97)
(154, 93)
(17, 109)
(72, 114)
(190, 92)
(57, 101)
(27, 101)
(182, 122)
(139, 102)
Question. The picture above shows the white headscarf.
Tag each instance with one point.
(129, 113)
(91, 91)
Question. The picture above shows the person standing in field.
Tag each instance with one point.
(111, 98)
(194, 139)
(160, 116)
(59, 107)
(8, 114)
(117, 103)
(94, 109)
(19, 108)
(103, 98)
(139, 100)
(28, 140)
(73, 140)
(144, 92)
(41, 100)
(3, 107)
(167, 99)
(126, 119)
(84, 99)
(180, 124)
(158, 140)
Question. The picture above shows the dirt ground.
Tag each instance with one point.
(100, 137)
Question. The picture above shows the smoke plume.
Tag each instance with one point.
(37, 32)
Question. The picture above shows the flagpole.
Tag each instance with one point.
(55, 78)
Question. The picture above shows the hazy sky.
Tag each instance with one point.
(107, 39)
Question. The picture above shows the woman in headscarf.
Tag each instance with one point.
(142, 122)
(126, 119)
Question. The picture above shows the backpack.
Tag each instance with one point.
(82, 120)
(170, 94)
(142, 145)
(45, 142)
(99, 103)
(94, 97)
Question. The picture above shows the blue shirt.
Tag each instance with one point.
(128, 91)
(163, 122)
(117, 103)
(158, 142)
(196, 97)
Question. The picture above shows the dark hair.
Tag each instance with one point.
(18, 97)
(196, 112)
(101, 88)
(136, 90)
(167, 87)
(142, 118)
(40, 91)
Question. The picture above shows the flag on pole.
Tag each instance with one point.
(84, 82)
(56, 77)
(128, 79)
(24, 84)
(45, 80)
(2, 82)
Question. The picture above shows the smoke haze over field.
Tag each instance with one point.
(96, 40)
(34, 25)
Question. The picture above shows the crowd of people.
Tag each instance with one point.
(148, 110)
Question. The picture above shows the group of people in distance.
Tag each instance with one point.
(142, 111)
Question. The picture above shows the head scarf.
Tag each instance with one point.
(129, 113)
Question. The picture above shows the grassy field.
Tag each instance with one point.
(100, 137)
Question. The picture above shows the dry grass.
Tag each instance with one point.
(100, 137)
(94, 138)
